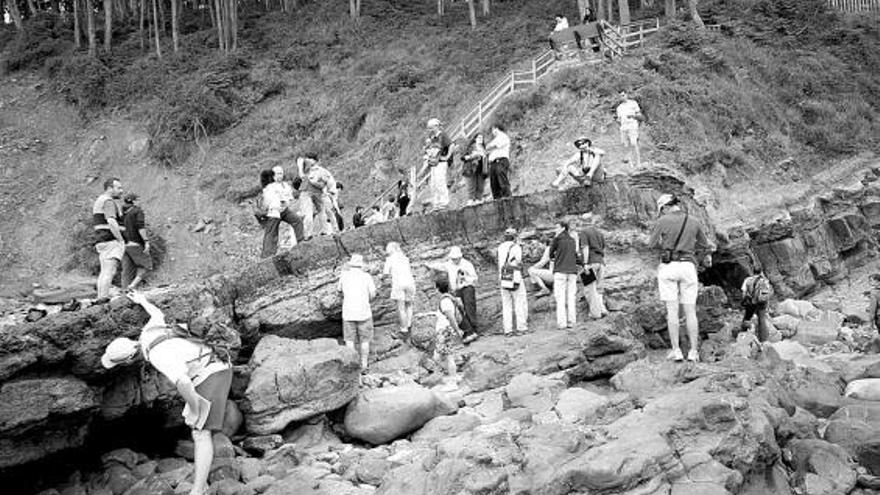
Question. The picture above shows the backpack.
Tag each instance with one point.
(758, 290)
(223, 340)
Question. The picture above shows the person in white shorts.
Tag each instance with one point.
(680, 240)
(628, 116)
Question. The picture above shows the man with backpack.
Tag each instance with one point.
(202, 378)
(513, 287)
(756, 291)
(680, 241)
(450, 313)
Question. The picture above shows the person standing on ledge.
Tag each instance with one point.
(680, 240)
(439, 150)
(498, 150)
(564, 253)
(358, 290)
(628, 116)
(513, 287)
(593, 243)
(202, 379)
(403, 284)
(136, 262)
(109, 243)
(278, 198)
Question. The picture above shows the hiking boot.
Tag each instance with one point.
(675, 355)
(693, 356)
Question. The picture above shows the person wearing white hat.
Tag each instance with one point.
(278, 199)
(680, 240)
(202, 379)
(513, 287)
(462, 282)
(358, 290)
(438, 155)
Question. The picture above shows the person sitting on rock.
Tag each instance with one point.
(680, 240)
(462, 278)
(358, 290)
(450, 312)
(202, 380)
(541, 277)
(585, 167)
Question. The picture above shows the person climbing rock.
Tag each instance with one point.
(202, 379)
(756, 294)
(680, 241)
(403, 284)
(358, 290)
(628, 116)
(320, 187)
(107, 229)
(278, 200)
(450, 314)
(462, 278)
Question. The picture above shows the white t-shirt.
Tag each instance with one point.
(461, 274)
(358, 290)
(446, 306)
(515, 251)
(561, 24)
(397, 265)
(499, 147)
(626, 113)
(277, 196)
(178, 357)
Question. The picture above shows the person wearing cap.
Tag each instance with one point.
(278, 199)
(592, 242)
(438, 153)
(498, 150)
(513, 287)
(564, 253)
(403, 284)
(320, 188)
(462, 278)
(358, 290)
(680, 240)
(200, 377)
(107, 228)
(136, 262)
(628, 116)
(585, 167)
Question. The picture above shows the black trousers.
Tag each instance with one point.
(499, 178)
(270, 231)
(760, 310)
(468, 297)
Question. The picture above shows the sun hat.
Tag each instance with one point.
(665, 200)
(455, 253)
(356, 261)
(118, 351)
(510, 233)
(278, 168)
(433, 122)
(581, 141)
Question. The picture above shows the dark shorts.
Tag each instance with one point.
(215, 389)
(138, 257)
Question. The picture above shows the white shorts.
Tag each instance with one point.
(629, 135)
(110, 250)
(677, 282)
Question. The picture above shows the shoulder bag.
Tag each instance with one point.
(668, 254)
(511, 276)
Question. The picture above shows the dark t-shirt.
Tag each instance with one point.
(442, 142)
(692, 242)
(134, 221)
(563, 252)
(596, 241)
(357, 220)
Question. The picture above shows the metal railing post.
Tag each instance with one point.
(480, 113)
(534, 71)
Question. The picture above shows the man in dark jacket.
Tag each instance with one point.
(136, 262)
(563, 252)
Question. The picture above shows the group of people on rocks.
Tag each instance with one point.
(120, 237)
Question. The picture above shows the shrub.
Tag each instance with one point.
(41, 37)
(81, 79)
(515, 108)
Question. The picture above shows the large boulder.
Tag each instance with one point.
(865, 389)
(822, 468)
(856, 428)
(294, 379)
(816, 391)
(384, 414)
(578, 405)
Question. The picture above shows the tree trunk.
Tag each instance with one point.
(610, 11)
(108, 23)
(472, 11)
(352, 9)
(670, 9)
(32, 8)
(695, 16)
(441, 7)
(56, 6)
(90, 21)
(233, 24)
(221, 39)
(12, 5)
(486, 7)
(141, 22)
(77, 29)
(624, 11)
(582, 9)
(174, 28)
(600, 9)
(156, 28)
(162, 17)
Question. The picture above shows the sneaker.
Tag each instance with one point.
(470, 338)
(693, 355)
(543, 293)
(675, 355)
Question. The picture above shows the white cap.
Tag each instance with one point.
(278, 169)
(455, 253)
(433, 122)
(118, 351)
(664, 200)
(356, 261)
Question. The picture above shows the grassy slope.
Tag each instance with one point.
(726, 108)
